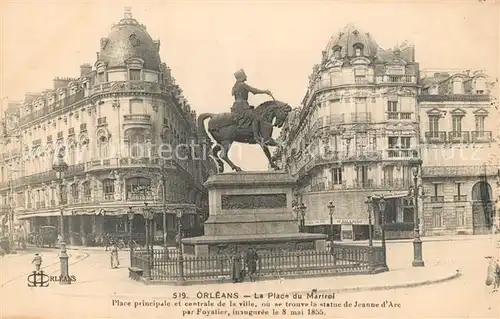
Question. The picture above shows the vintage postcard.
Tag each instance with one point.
(249, 159)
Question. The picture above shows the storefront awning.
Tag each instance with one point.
(113, 211)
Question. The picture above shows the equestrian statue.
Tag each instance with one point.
(245, 123)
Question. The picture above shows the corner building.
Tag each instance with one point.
(112, 121)
(355, 135)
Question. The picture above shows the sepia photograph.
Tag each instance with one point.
(241, 159)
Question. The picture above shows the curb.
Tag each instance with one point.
(456, 275)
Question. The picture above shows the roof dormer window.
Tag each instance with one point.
(458, 86)
(480, 86)
(358, 49)
(101, 77)
(358, 52)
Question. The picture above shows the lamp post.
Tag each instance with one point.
(381, 206)
(130, 214)
(181, 250)
(302, 209)
(60, 166)
(148, 216)
(417, 242)
(369, 206)
(331, 210)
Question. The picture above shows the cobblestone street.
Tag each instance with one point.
(97, 286)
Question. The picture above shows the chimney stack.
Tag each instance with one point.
(61, 82)
(85, 69)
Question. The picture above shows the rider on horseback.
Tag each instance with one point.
(241, 108)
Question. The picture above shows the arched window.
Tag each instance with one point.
(74, 193)
(108, 186)
(36, 164)
(480, 85)
(139, 188)
(103, 146)
(86, 191)
(358, 49)
(84, 153)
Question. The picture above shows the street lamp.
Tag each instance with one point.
(148, 217)
(369, 207)
(331, 209)
(417, 242)
(302, 209)
(181, 249)
(130, 214)
(381, 206)
(60, 166)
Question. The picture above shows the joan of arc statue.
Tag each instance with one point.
(241, 108)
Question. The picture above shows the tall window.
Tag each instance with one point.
(434, 124)
(72, 154)
(358, 52)
(74, 192)
(103, 148)
(337, 176)
(362, 175)
(135, 74)
(138, 146)
(405, 142)
(437, 195)
(86, 191)
(138, 189)
(108, 186)
(392, 110)
(37, 199)
(480, 123)
(460, 212)
(437, 216)
(457, 123)
(361, 141)
(360, 75)
(29, 199)
(393, 142)
(408, 209)
(388, 175)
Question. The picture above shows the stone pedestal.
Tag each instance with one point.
(251, 209)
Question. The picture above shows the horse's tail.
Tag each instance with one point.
(201, 126)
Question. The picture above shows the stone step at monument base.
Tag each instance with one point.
(275, 243)
(250, 223)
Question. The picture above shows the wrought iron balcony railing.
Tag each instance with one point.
(458, 137)
(437, 199)
(481, 136)
(361, 117)
(435, 137)
(460, 198)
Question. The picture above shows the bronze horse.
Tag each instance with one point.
(225, 130)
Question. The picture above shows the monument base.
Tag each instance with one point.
(273, 243)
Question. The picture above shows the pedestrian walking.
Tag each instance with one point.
(493, 273)
(115, 262)
(236, 269)
(37, 260)
(251, 259)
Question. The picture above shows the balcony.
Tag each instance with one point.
(137, 120)
(396, 183)
(458, 137)
(437, 199)
(362, 117)
(128, 86)
(402, 153)
(410, 79)
(481, 136)
(435, 137)
(362, 184)
(334, 119)
(460, 198)
(396, 116)
(454, 97)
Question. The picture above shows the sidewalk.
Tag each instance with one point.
(427, 239)
(117, 284)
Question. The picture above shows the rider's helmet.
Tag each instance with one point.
(240, 75)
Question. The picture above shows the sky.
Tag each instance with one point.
(205, 42)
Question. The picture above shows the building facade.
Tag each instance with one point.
(128, 136)
(459, 124)
(368, 119)
(355, 135)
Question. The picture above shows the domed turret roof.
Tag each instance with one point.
(348, 38)
(129, 39)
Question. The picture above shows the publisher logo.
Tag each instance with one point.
(40, 279)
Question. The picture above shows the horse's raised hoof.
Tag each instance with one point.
(237, 169)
